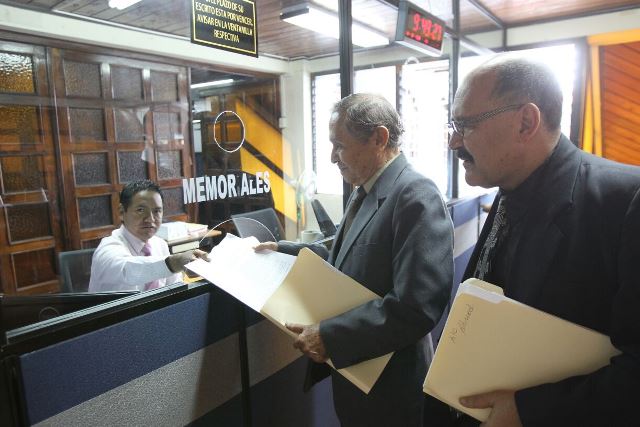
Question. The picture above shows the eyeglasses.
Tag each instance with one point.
(458, 126)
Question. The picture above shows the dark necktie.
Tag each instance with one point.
(352, 210)
(496, 236)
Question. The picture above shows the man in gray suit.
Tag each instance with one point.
(396, 239)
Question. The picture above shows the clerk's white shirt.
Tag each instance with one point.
(118, 263)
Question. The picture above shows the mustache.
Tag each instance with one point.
(463, 154)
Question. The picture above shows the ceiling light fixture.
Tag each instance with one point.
(325, 22)
(122, 4)
(212, 83)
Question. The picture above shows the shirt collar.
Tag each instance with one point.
(135, 243)
(519, 199)
(371, 181)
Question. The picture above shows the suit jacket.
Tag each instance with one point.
(399, 245)
(575, 258)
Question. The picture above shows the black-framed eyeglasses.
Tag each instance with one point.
(458, 126)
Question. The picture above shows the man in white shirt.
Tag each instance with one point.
(133, 258)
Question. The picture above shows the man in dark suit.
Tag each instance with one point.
(567, 241)
(399, 243)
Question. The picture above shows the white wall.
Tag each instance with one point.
(77, 30)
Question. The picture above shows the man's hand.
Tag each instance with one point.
(309, 341)
(504, 412)
(176, 262)
(272, 246)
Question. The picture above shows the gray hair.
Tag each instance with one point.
(363, 112)
(520, 80)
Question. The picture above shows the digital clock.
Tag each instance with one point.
(418, 29)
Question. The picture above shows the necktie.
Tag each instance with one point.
(146, 251)
(498, 231)
(352, 210)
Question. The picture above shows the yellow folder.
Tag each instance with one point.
(491, 342)
(314, 290)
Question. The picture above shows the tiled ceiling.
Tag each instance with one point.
(280, 39)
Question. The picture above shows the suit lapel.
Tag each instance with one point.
(541, 239)
(370, 205)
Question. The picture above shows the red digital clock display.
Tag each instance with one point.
(424, 29)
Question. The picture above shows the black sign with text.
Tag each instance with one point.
(225, 24)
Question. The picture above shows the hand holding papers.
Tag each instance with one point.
(238, 270)
(491, 342)
(286, 289)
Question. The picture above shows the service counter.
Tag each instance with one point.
(179, 355)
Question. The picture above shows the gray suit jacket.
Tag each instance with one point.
(400, 245)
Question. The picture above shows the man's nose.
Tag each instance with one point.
(334, 156)
(455, 141)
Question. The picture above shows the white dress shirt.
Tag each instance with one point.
(118, 263)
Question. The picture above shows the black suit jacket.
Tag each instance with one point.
(576, 259)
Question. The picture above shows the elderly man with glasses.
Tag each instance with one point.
(563, 237)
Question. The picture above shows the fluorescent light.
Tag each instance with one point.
(122, 4)
(212, 83)
(325, 22)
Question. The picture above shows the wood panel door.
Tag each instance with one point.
(29, 212)
(620, 87)
(119, 120)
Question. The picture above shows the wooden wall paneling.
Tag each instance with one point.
(29, 215)
(620, 87)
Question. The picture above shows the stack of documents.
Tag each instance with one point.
(287, 289)
(491, 342)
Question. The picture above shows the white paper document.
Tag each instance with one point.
(236, 268)
(287, 289)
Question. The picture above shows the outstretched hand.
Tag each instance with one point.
(176, 262)
(272, 246)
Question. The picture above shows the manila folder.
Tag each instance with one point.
(491, 342)
(314, 290)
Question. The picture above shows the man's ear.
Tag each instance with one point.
(530, 121)
(381, 136)
(121, 212)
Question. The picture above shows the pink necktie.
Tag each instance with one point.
(146, 251)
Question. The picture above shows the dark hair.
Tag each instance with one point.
(521, 80)
(130, 189)
(363, 112)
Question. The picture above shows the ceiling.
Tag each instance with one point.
(280, 39)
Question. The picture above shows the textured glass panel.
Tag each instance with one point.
(169, 164)
(82, 79)
(91, 168)
(166, 127)
(19, 125)
(28, 221)
(22, 173)
(127, 83)
(88, 244)
(131, 167)
(164, 86)
(87, 123)
(94, 211)
(34, 267)
(16, 73)
(128, 126)
(172, 201)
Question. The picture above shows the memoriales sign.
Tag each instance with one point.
(225, 24)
